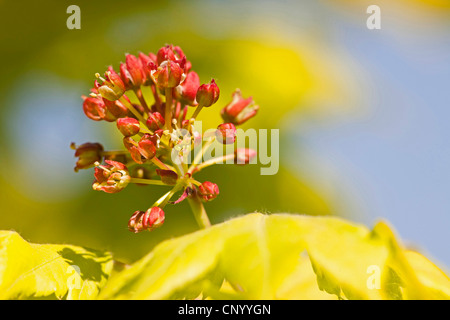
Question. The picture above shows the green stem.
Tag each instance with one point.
(160, 164)
(198, 156)
(141, 99)
(156, 96)
(199, 211)
(213, 161)
(197, 111)
(168, 112)
(132, 109)
(166, 198)
(147, 181)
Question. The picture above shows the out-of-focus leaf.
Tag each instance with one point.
(29, 270)
(282, 256)
(430, 275)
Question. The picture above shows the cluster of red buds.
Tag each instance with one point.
(153, 133)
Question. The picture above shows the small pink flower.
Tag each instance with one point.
(88, 154)
(135, 222)
(244, 156)
(111, 178)
(239, 110)
(113, 87)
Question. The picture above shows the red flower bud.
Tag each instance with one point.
(128, 126)
(178, 52)
(129, 142)
(165, 53)
(187, 91)
(148, 145)
(145, 60)
(155, 121)
(112, 177)
(208, 191)
(208, 94)
(187, 66)
(94, 108)
(134, 67)
(226, 133)
(148, 220)
(132, 72)
(116, 108)
(168, 75)
(133, 148)
(167, 176)
(153, 218)
(239, 110)
(244, 156)
(87, 153)
(136, 155)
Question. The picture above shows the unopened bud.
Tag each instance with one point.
(187, 91)
(145, 60)
(169, 74)
(208, 191)
(165, 53)
(155, 121)
(128, 126)
(135, 69)
(244, 156)
(208, 94)
(146, 221)
(226, 133)
(94, 108)
(148, 145)
(116, 108)
(153, 218)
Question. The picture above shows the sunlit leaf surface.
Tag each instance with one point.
(282, 256)
(29, 270)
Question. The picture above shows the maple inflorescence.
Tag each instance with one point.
(155, 136)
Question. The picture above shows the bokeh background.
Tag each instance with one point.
(363, 114)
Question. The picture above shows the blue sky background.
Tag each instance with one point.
(395, 156)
